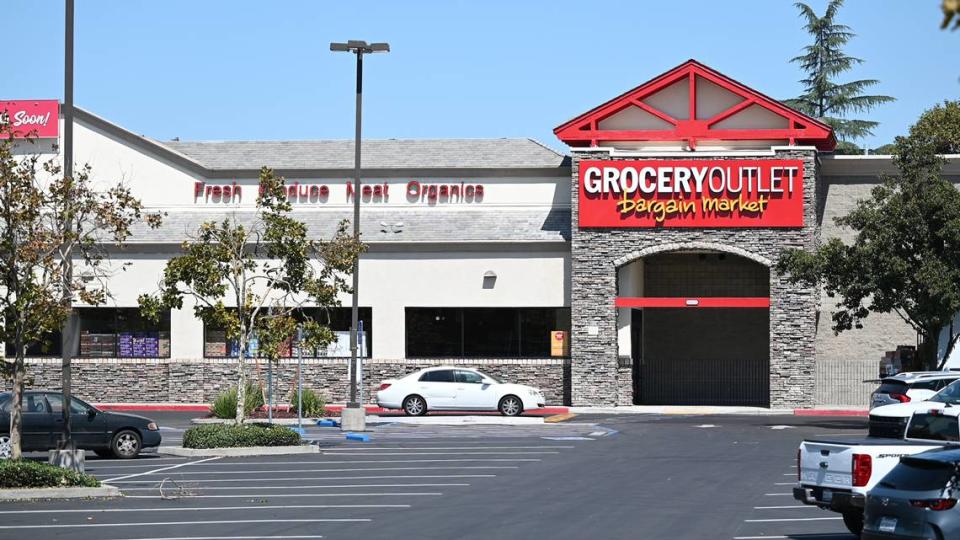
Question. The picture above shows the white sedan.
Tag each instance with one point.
(456, 389)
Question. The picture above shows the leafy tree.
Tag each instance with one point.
(251, 279)
(37, 203)
(823, 61)
(951, 9)
(905, 258)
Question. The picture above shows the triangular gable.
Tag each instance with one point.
(693, 103)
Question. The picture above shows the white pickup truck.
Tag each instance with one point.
(836, 473)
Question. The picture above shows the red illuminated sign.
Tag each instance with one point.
(36, 118)
(691, 193)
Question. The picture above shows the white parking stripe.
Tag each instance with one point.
(162, 469)
(332, 486)
(198, 508)
(783, 507)
(777, 520)
(415, 453)
(301, 478)
(275, 471)
(375, 448)
(283, 537)
(168, 523)
(344, 462)
(777, 494)
(805, 536)
(145, 461)
(785, 484)
(264, 496)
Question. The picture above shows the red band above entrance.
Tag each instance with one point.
(686, 302)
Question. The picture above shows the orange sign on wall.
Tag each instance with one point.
(559, 343)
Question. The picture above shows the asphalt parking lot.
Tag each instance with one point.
(647, 477)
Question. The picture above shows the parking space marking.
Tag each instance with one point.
(805, 536)
(162, 469)
(777, 494)
(145, 460)
(254, 496)
(785, 483)
(329, 486)
(367, 469)
(418, 453)
(169, 523)
(198, 508)
(783, 507)
(375, 448)
(301, 478)
(791, 519)
(282, 537)
(203, 462)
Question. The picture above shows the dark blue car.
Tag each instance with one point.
(106, 433)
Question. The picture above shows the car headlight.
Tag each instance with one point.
(152, 426)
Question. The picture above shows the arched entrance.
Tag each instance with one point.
(695, 326)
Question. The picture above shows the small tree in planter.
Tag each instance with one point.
(250, 278)
(48, 222)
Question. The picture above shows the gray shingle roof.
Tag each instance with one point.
(386, 226)
(377, 154)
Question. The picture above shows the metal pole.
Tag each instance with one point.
(354, 315)
(300, 378)
(67, 341)
(270, 391)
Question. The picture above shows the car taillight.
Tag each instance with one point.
(934, 504)
(384, 386)
(902, 398)
(798, 464)
(862, 469)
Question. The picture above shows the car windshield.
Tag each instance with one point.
(950, 394)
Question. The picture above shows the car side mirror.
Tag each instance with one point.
(91, 413)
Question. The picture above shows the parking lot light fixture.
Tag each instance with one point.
(353, 417)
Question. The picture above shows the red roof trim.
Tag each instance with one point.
(583, 130)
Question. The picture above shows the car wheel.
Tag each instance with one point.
(854, 522)
(126, 444)
(510, 406)
(415, 406)
(6, 448)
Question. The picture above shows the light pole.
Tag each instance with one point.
(353, 417)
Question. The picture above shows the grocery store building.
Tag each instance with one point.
(637, 268)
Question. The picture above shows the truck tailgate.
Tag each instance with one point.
(826, 465)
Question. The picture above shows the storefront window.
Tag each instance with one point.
(483, 332)
(122, 333)
(50, 345)
(216, 344)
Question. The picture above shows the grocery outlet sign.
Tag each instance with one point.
(35, 118)
(691, 193)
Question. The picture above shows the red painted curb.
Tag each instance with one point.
(830, 412)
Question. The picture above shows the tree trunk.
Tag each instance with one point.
(16, 415)
(241, 384)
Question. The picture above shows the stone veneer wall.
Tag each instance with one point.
(199, 381)
(597, 253)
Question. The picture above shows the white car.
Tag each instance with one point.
(448, 388)
(891, 420)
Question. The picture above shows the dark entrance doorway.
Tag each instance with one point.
(700, 331)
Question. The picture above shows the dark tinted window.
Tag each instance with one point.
(933, 427)
(483, 332)
(34, 403)
(917, 475)
(934, 385)
(441, 375)
(48, 345)
(893, 387)
(950, 394)
(469, 377)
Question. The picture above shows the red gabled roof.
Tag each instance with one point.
(801, 129)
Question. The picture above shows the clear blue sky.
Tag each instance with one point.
(218, 69)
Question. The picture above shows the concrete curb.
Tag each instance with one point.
(683, 410)
(240, 452)
(102, 492)
(458, 420)
(277, 421)
(831, 412)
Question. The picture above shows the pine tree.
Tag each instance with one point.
(823, 61)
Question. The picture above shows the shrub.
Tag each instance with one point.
(34, 474)
(313, 403)
(232, 435)
(225, 406)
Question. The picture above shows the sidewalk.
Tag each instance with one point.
(332, 408)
